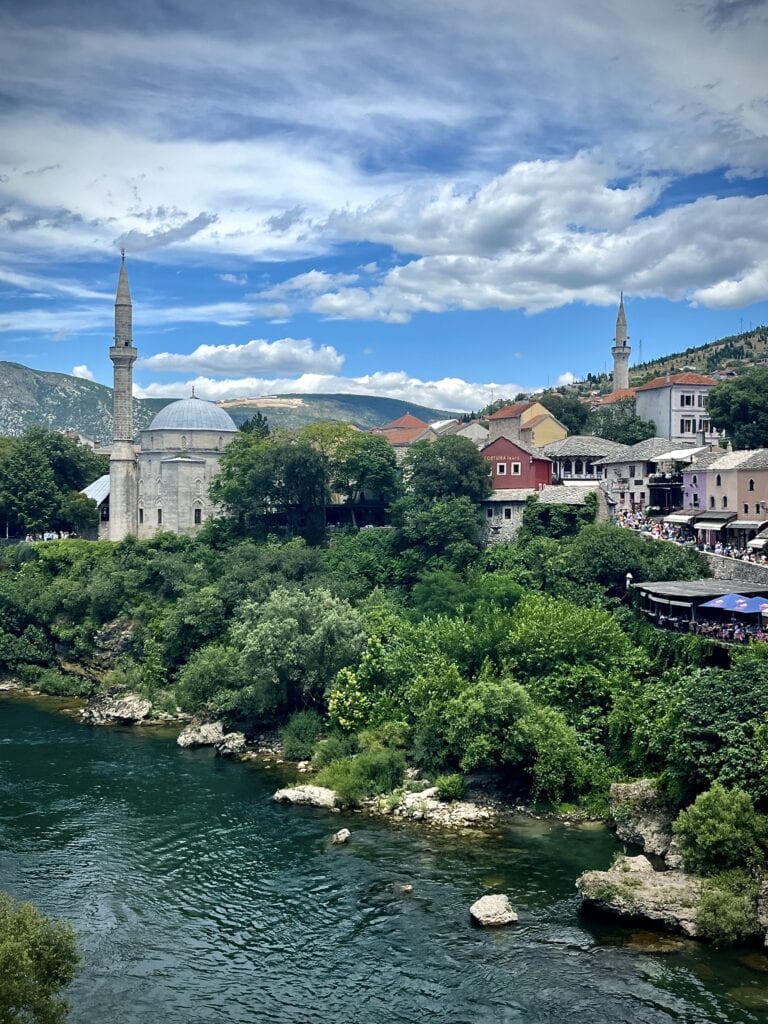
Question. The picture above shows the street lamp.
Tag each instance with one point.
(628, 580)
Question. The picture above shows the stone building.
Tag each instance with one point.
(529, 422)
(677, 405)
(161, 485)
(621, 351)
(405, 431)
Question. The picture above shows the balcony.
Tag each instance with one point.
(665, 478)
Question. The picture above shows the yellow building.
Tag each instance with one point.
(529, 422)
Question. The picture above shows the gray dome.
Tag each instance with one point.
(193, 414)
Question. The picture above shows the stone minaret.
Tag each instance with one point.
(123, 497)
(621, 351)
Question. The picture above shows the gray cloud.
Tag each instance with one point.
(142, 241)
(284, 221)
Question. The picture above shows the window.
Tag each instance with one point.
(567, 467)
(702, 401)
(687, 426)
(184, 441)
(631, 471)
(712, 502)
(159, 517)
(725, 501)
(507, 513)
(489, 512)
(695, 481)
(704, 425)
(198, 516)
(579, 467)
(751, 485)
(515, 468)
(501, 469)
(695, 500)
(718, 480)
(141, 516)
(686, 400)
(757, 508)
(746, 507)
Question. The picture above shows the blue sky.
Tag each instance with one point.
(433, 200)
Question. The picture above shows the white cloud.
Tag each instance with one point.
(83, 372)
(565, 378)
(451, 393)
(310, 283)
(285, 356)
(240, 279)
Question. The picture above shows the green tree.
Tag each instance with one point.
(77, 512)
(30, 487)
(38, 959)
(257, 425)
(720, 831)
(365, 464)
(450, 467)
(572, 413)
(619, 422)
(740, 408)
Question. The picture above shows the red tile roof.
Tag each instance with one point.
(620, 395)
(510, 411)
(402, 435)
(677, 378)
(405, 421)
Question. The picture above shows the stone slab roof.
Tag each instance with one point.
(580, 445)
(704, 589)
(640, 452)
(508, 494)
(567, 494)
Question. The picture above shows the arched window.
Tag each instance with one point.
(159, 516)
(725, 501)
(141, 486)
(197, 513)
(712, 502)
(567, 467)
(184, 442)
(695, 481)
(198, 486)
(221, 441)
(579, 467)
(718, 480)
(159, 484)
(141, 515)
(751, 485)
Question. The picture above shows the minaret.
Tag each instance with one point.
(621, 350)
(123, 498)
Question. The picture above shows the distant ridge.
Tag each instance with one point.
(62, 402)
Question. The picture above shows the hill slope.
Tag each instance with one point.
(62, 402)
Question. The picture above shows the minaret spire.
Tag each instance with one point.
(621, 350)
(122, 463)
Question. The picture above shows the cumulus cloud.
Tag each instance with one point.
(565, 378)
(312, 282)
(240, 279)
(83, 371)
(450, 393)
(287, 355)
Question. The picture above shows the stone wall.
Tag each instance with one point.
(734, 569)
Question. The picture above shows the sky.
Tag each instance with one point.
(431, 200)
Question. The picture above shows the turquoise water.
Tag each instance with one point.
(198, 900)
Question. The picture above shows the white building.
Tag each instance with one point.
(677, 405)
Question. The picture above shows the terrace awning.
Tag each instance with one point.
(747, 524)
(709, 523)
(738, 603)
(757, 542)
(681, 517)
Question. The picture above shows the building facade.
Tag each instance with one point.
(677, 405)
(529, 422)
(514, 466)
(161, 486)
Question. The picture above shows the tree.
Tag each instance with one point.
(73, 465)
(572, 413)
(273, 483)
(740, 408)
(258, 425)
(720, 831)
(38, 958)
(619, 422)
(77, 512)
(450, 467)
(30, 487)
(365, 464)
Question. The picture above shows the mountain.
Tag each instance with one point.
(62, 402)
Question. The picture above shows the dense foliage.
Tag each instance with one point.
(38, 959)
(740, 408)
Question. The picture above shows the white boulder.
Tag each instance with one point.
(492, 911)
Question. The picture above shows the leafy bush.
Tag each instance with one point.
(451, 787)
(333, 748)
(369, 773)
(720, 831)
(728, 909)
(300, 734)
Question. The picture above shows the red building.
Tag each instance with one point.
(514, 465)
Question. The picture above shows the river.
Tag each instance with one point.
(198, 900)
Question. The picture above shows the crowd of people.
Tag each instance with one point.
(658, 530)
(49, 535)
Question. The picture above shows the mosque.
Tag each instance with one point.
(161, 484)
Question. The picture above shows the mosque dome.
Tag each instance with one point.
(193, 414)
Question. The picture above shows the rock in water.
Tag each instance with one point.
(641, 815)
(314, 796)
(231, 745)
(116, 707)
(632, 889)
(342, 836)
(201, 734)
(491, 911)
